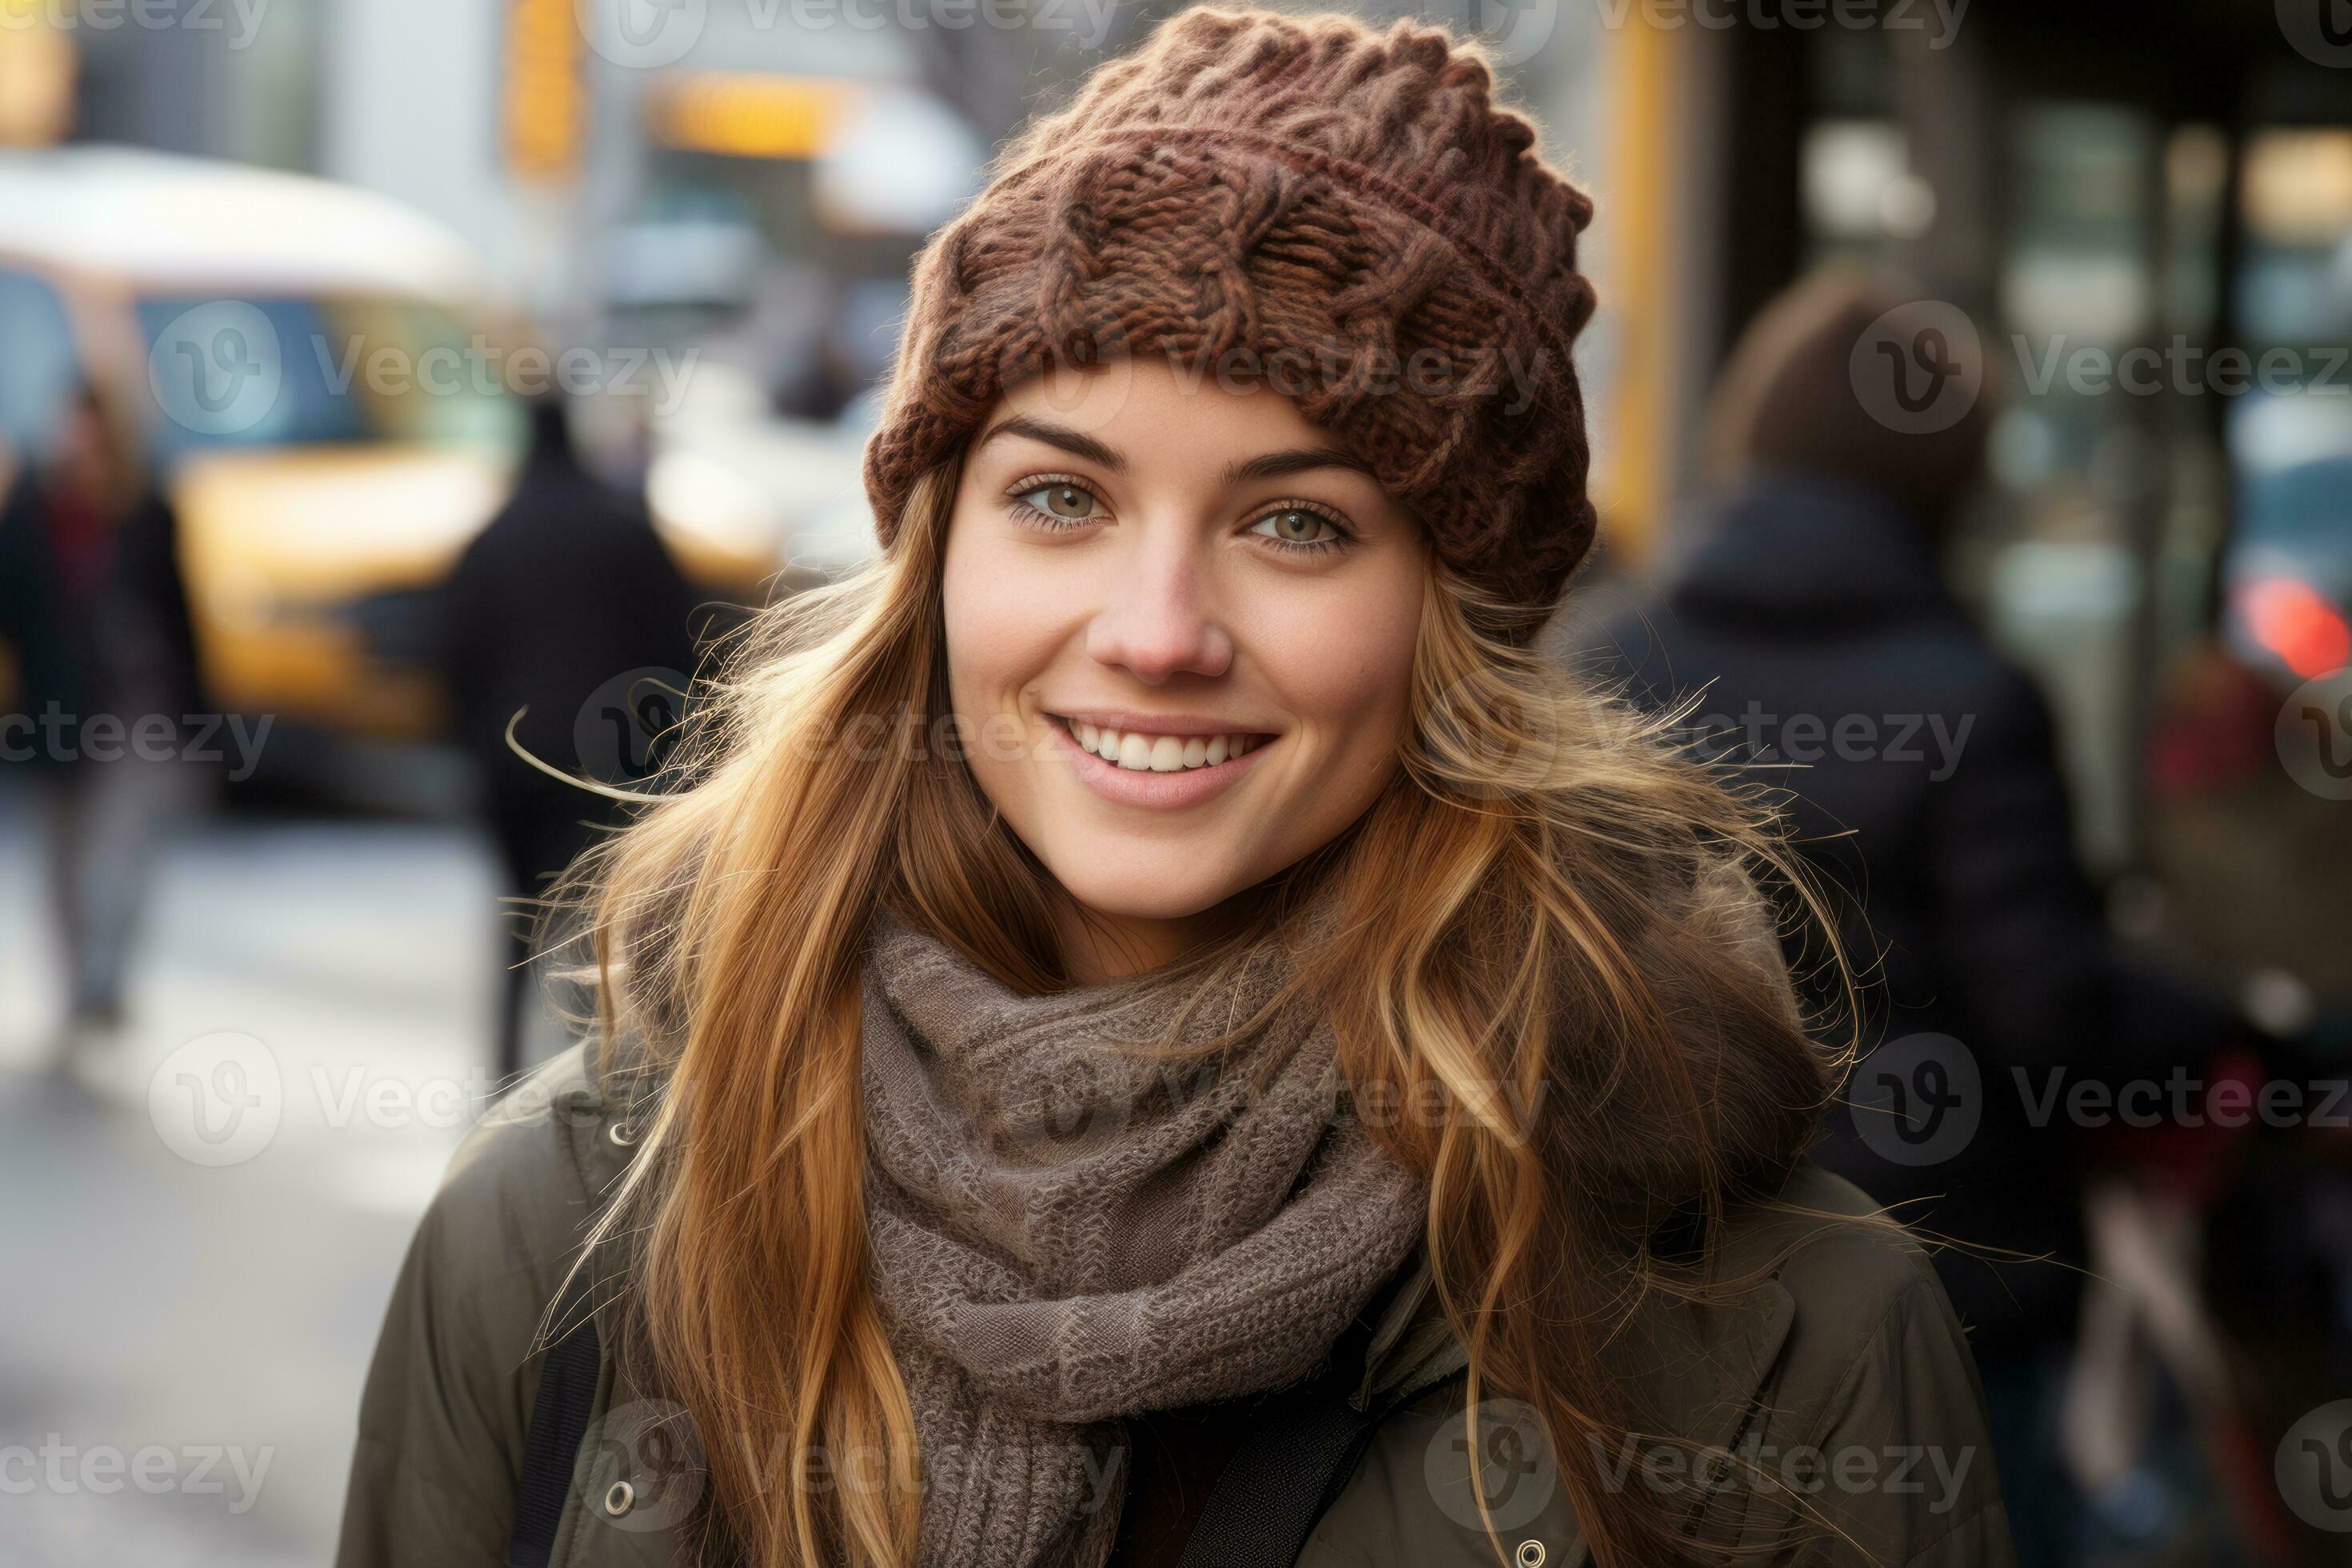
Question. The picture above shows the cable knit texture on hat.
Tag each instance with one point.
(1343, 210)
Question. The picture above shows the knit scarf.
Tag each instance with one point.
(1066, 1234)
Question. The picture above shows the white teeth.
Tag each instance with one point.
(1143, 753)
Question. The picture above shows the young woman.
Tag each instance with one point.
(1154, 1027)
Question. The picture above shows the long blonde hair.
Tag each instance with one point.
(1544, 912)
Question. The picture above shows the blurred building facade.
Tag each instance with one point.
(2084, 182)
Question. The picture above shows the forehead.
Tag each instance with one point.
(1145, 407)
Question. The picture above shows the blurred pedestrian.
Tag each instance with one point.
(567, 596)
(95, 610)
(1812, 622)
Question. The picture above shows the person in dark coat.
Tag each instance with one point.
(95, 612)
(567, 608)
(1812, 624)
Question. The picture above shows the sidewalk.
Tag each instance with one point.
(182, 1343)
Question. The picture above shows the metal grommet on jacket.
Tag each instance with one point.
(1531, 1554)
(619, 1498)
(622, 1133)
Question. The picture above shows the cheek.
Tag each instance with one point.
(1344, 669)
(996, 638)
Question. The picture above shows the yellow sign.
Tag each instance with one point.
(745, 114)
(546, 100)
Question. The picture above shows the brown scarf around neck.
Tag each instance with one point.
(1066, 1234)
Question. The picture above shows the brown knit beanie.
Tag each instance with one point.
(1340, 214)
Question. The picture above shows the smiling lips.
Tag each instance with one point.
(1141, 751)
(1154, 769)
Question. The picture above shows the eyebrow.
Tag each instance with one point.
(1076, 442)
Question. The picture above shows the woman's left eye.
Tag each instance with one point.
(1298, 528)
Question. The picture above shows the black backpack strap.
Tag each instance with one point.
(1290, 1468)
(559, 1423)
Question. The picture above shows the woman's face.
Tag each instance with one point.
(1180, 626)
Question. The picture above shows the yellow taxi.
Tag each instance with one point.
(325, 383)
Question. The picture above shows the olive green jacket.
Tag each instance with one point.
(1842, 1378)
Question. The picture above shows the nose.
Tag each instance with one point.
(1157, 622)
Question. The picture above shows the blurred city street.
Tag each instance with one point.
(388, 387)
(152, 1303)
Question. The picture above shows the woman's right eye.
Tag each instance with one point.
(1060, 500)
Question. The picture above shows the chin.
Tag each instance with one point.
(1171, 884)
